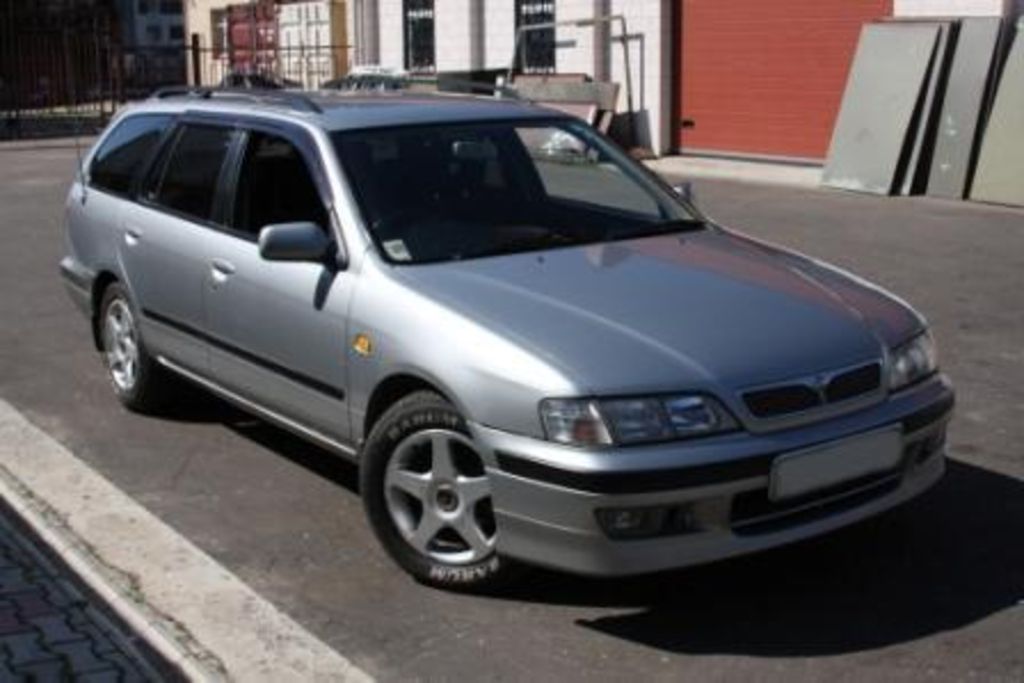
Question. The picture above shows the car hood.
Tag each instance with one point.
(695, 310)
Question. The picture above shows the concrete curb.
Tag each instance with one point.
(191, 610)
(84, 142)
(101, 579)
(734, 169)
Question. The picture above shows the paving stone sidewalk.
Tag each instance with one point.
(51, 629)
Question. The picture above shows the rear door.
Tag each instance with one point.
(277, 329)
(164, 243)
(94, 209)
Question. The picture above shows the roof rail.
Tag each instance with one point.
(296, 100)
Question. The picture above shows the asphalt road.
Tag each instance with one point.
(935, 589)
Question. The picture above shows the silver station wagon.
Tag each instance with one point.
(535, 350)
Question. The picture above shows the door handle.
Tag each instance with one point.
(221, 270)
(132, 235)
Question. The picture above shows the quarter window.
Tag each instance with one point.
(188, 183)
(122, 154)
(275, 186)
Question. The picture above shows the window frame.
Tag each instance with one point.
(535, 184)
(222, 213)
(522, 64)
(407, 38)
(144, 165)
(159, 167)
(317, 174)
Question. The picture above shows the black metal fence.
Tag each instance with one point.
(58, 80)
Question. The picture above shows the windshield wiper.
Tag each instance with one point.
(660, 228)
(522, 243)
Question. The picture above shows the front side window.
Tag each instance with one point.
(442, 193)
(275, 186)
(124, 151)
(418, 23)
(187, 183)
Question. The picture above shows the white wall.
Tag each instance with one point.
(952, 8)
(499, 33)
(648, 23)
(392, 42)
(452, 39)
(580, 57)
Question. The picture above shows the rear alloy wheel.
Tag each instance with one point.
(428, 497)
(139, 383)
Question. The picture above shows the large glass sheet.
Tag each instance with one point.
(961, 110)
(999, 177)
(882, 93)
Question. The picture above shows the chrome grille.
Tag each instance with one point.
(814, 392)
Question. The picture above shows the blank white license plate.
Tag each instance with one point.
(795, 474)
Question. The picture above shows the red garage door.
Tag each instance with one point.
(766, 77)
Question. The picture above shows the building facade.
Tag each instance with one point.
(303, 41)
(152, 40)
(746, 78)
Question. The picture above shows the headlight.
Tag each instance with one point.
(912, 362)
(594, 422)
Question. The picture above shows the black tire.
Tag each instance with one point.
(420, 411)
(151, 387)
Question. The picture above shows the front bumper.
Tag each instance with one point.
(546, 496)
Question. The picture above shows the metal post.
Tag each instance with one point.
(252, 36)
(197, 74)
(581, 23)
(602, 51)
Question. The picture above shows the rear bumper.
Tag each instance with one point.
(78, 281)
(547, 497)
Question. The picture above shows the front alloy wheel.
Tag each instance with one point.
(428, 497)
(439, 497)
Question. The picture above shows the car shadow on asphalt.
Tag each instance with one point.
(946, 560)
(198, 406)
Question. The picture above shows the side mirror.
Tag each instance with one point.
(302, 241)
(685, 190)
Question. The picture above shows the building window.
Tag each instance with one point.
(143, 6)
(154, 33)
(170, 6)
(176, 32)
(418, 24)
(219, 26)
(537, 49)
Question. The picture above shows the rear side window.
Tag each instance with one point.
(124, 151)
(188, 181)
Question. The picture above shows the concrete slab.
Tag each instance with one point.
(969, 79)
(924, 125)
(690, 167)
(882, 94)
(1000, 173)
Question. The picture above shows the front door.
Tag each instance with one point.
(277, 329)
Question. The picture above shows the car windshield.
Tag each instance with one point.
(461, 191)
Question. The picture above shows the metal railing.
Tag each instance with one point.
(58, 80)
